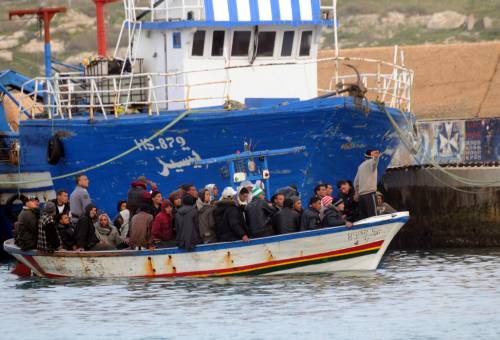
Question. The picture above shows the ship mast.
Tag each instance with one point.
(44, 14)
(101, 27)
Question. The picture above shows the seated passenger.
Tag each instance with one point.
(122, 220)
(382, 207)
(259, 214)
(48, 236)
(107, 233)
(66, 231)
(187, 225)
(156, 200)
(163, 230)
(287, 220)
(350, 205)
(86, 238)
(310, 218)
(278, 200)
(206, 217)
(229, 221)
(332, 216)
(27, 225)
(297, 205)
(242, 198)
(214, 192)
(141, 226)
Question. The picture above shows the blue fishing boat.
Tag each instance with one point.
(193, 80)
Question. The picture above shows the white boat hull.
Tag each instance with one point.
(360, 247)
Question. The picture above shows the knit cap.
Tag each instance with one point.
(256, 191)
(228, 192)
(326, 201)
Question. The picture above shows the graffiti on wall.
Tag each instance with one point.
(454, 141)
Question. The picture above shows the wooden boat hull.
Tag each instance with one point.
(360, 247)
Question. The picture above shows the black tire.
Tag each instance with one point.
(55, 150)
(9, 206)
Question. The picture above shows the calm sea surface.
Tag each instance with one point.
(413, 295)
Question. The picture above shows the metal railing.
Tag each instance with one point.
(68, 94)
(154, 10)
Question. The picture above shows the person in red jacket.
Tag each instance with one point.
(163, 233)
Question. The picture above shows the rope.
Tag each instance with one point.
(121, 155)
(431, 161)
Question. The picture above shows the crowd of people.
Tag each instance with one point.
(189, 216)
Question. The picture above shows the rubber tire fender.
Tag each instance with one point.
(55, 150)
(9, 206)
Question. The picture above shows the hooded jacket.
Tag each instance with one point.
(141, 226)
(122, 223)
(107, 234)
(162, 224)
(27, 229)
(332, 217)
(286, 221)
(206, 221)
(229, 221)
(135, 196)
(259, 217)
(186, 225)
(310, 220)
(67, 234)
(85, 230)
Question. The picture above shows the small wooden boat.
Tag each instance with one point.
(359, 247)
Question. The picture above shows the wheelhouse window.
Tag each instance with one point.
(305, 44)
(198, 43)
(218, 43)
(287, 45)
(265, 46)
(241, 42)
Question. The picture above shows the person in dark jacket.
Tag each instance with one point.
(333, 216)
(86, 239)
(259, 215)
(278, 200)
(66, 231)
(163, 231)
(187, 225)
(135, 196)
(48, 235)
(287, 220)
(310, 218)
(62, 203)
(229, 220)
(347, 194)
(206, 216)
(27, 225)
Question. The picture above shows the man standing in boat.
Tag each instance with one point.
(365, 184)
(79, 198)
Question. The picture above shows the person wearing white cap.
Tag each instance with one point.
(229, 221)
(259, 215)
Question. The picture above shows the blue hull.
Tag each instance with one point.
(334, 133)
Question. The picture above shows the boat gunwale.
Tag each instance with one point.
(403, 217)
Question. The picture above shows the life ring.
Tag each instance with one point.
(9, 206)
(55, 150)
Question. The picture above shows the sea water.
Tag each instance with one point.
(413, 295)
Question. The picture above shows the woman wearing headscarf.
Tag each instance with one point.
(213, 191)
(107, 233)
(206, 216)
